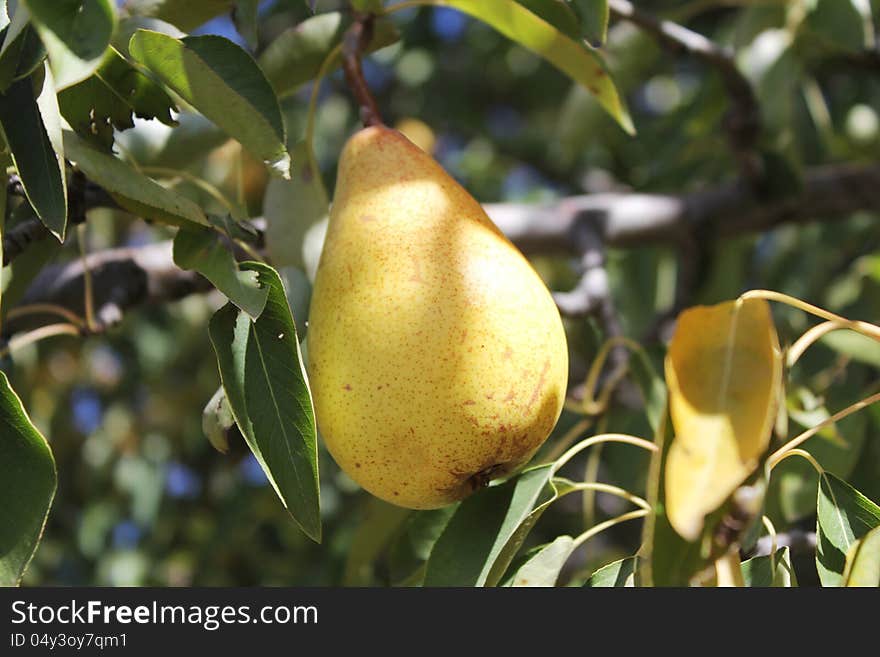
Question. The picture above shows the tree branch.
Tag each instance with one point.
(581, 226)
(743, 121)
(625, 220)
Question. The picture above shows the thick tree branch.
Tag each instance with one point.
(82, 195)
(122, 279)
(625, 220)
(743, 121)
(579, 226)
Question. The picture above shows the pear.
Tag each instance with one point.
(436, 355)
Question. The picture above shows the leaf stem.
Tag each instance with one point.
(602, 526)
(603, 438)
(865, 328)
(48, 331)
(810, 337)
(354, 42)
(803, 454)
(776, 456)
(46, 309)
(617, 491)
(88, 288)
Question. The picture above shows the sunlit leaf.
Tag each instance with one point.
(224, 83)
(543, 568)
(76, 34)
(615, 575)
(844, 516)
(205, 251)
(185, 14)
(133, 191)
(217, 420)
(760, 572)
(863, 561)
(571, 57)
(110, 97)
(723, 369)
(27, 486)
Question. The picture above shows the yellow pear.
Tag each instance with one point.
(436, 355)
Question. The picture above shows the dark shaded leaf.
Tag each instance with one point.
(133, 191)
(40, 168)
(265, 383)
(107, 100)
(28, 480)
(295, 56)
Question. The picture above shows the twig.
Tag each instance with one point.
(743, 121)
(82, 195)
(354, 43)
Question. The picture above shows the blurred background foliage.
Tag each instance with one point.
(144, 499)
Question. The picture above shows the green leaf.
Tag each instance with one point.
(856, 346)
(28, 480)
(837, 23)
(614, 575)
(571, 57)
(863, 561)
(295, 56)
(205, 251)
(76, 33)
(770, 570)
(133, 191)
(224, 83)
(292, 207)
(411, 549)
(557, 13)
(244, 14)
(844, 516)
(380, 523)
(477, 542)
(22, 49)
(217, 420)
(41, 169)
(185, 14)
(594, 19)
(543, 568)
(265, 383)
(107, 100)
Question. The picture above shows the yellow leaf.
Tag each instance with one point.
(723, 370)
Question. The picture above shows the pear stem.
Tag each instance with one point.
(354, 43)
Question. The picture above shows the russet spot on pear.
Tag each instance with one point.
(436, 355)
